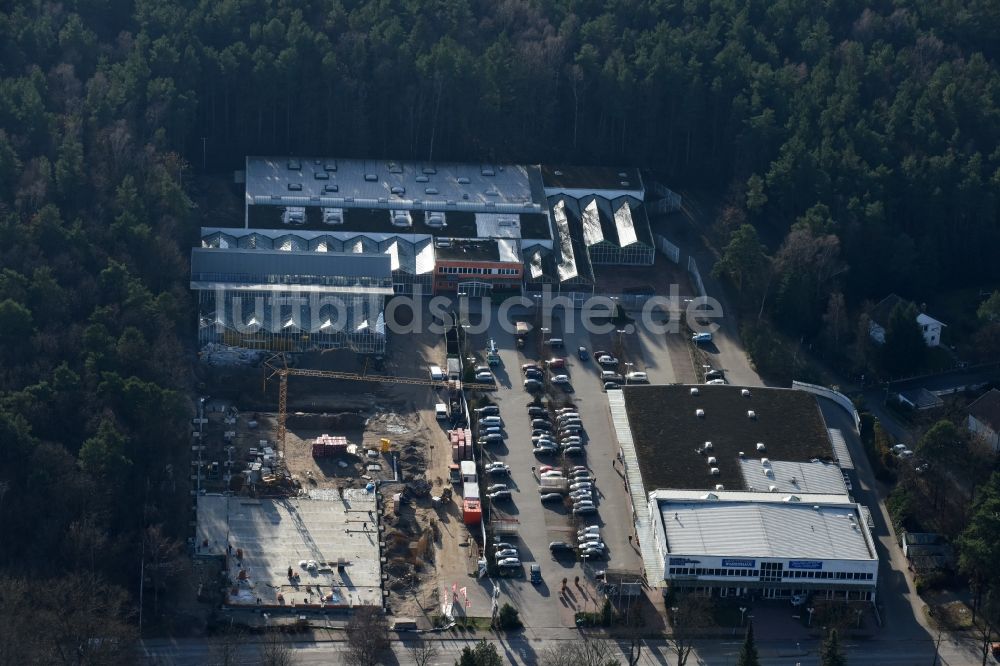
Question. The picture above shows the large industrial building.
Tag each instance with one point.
(466, 229)
(737, 491)
(285, 301)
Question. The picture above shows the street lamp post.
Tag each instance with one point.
(810, 611)
(743, 610)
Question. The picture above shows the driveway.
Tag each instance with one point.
(544, 606)
(901, 608)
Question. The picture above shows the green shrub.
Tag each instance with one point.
(509, 618)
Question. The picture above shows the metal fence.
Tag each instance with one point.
(835, 396)
(696, 276)
(672, 252)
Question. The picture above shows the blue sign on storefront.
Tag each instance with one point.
(812, 565)
(738, 564)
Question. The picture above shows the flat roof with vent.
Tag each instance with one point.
(743, 524)
(395, 183)
(591, 179)
(669, 437)
(792, 477)
(492, 251)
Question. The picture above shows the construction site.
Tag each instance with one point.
(342, 495)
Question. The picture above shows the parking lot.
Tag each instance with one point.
(539, 524)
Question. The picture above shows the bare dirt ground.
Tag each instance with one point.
(427, 546)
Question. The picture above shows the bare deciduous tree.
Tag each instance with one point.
(423, 652)
(586, 652)
(689, 615)
(367, 636)
(275, 651)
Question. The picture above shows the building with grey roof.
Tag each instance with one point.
(765, 545)
(736, 491)
(574, 273)
(616, 231)
(290, 298)
(583, 181)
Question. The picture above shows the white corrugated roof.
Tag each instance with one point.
(590, 219)
(793, 477)
(498, 225)
(741, 524)
(508, 250)
(567, 260)
(625, 225)
(651, 559)
(424, 253)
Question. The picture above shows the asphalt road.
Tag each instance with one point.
(901, 608)
(529, 651)
(543, 606)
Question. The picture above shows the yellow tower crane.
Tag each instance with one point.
(277, 365)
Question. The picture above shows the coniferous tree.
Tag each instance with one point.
(748, 652)
(831, 654)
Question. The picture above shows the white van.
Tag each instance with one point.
(554, 342)
(441, 411)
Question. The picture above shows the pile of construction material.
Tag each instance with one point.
(461, 444)
(326, 446)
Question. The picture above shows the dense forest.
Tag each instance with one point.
(863, 136)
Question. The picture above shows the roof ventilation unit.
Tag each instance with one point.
(772, 489)
(398, 190)
(331, 187)
(792, 498)
(742, 455)
(434, 219)
(400, 218)
(714, 471)
(700, 413)
(712, 460)
(710, 496)
(708, 446)
(421, 178)
(815, 507)
(370, 177)
(694, 390)
(295, 187)
(463, 180)
(294, 165)
(765, 462)
(622, 174)
(719, 486)
(761, 447)
(321, 175)
(751, 414)
(330, 165)
(745, 393)
(333, 216)
(768, 472)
